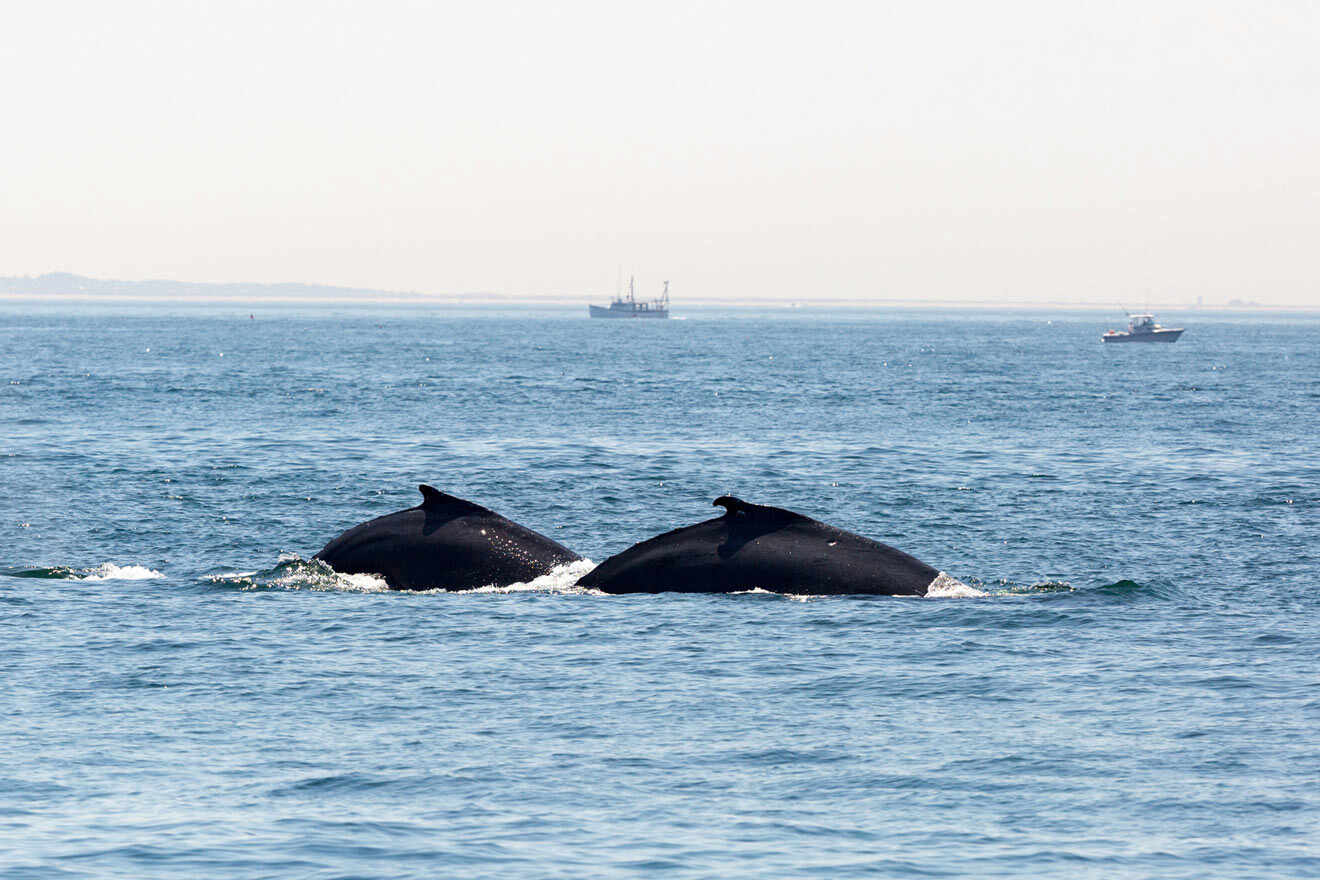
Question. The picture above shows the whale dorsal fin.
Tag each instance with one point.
(762, 513)
(433, 498)
(732, 505)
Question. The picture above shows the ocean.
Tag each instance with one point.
(1131, 688)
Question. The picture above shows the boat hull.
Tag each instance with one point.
(1155, 336)
(603, 312)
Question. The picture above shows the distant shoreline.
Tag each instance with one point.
(78, 289)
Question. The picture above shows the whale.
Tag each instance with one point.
(444, 542)
(754, 546)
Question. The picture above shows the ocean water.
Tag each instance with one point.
(1135, 691)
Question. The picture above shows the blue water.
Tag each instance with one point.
(1136, 694)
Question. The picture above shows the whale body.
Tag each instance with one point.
(444, 542)
(752, 546)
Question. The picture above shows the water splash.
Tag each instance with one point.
(560, 579)
(292, 572)
(946, 586)
(295, 573)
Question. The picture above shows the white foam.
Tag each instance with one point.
(228, 576)
(360, 583)
(560, 579)
(108, 571)
(758, 591)
(295, 573)
(947, 586)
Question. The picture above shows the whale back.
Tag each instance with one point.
(444, 542)
(759, 547)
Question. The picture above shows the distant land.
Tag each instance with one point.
(65, 286)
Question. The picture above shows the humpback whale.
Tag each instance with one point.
(444, 542)
(753, 546)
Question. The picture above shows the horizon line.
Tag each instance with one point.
(212, 292)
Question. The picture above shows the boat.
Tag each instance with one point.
(1142, 328)
(631, 307)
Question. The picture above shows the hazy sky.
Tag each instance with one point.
(1097, 152)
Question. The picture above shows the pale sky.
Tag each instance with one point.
(1077, 152)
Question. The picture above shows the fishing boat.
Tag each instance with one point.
(1142, 328)
(630, 307)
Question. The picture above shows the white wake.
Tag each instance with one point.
(108, 571)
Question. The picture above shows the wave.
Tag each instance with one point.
(1033, 589)
(1123, 590)
(1128, 590)
(106, 571)
(292, 572)
(946, 586)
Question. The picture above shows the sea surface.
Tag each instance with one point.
(1132, 689)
